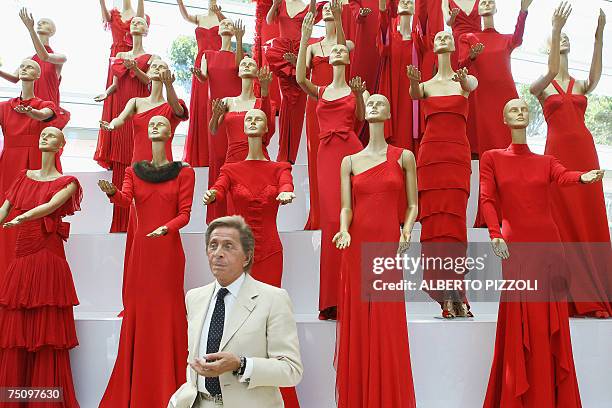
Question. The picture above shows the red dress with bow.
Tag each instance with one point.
(37, 294)
(150, 363)
(337, 139)
(579, 211)
(533, 364)
(196, 144)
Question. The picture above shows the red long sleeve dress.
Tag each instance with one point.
(533, 364)
(196, 144)
(150, 363)
(37, 294)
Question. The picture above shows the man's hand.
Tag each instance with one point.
(213, 365)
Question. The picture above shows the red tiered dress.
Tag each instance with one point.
(237, 141)
(117, 147)
(196, 144)
(371, 331)
(533, 364)
(37, 295)
(47, 88)
(337, 139)
(443, 171)
(150, 363)
(579, 211)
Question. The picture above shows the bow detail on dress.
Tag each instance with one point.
(342, 133)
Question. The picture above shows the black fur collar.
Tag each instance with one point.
(147, 172)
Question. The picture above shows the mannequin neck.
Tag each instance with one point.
(255, 148)
(159, 153)
(405, 26)
(157, 91)
(48, 165)
(127, 5)
(377, 137)
(563, 68)
(226, 42)
(137, 48)
(247, 93)
(330, 31)
(519, 136)
(445, 69)
(488, 22)
(27, 90)
(339, 79)
(44, 38)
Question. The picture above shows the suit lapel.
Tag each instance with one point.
(245, 303)
(199, 308)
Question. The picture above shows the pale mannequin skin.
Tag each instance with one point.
(405, 11)
(227, 30)
(377, 112)
(127, 11)
(247, 71)
(159, 134)
(40, 35)
(255, 127)
(451, 14)
(338, 59)
(27, 73)
(161, 77)
(50, 143)
(138, 29)
(209, 20)
(516, 117)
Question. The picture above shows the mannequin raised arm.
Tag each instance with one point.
(41, 51)
(300, 69)
(192, 18)
(449, 14)
(140, 11)
(106, 17)
(273, 12)
(596, 62)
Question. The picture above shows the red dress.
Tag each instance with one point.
(47, 88)
(579, 211)
(237, 141)
(533, 364)
(370, 330)
(337, 139)
(365, 59)
(443, 171)
(150, 363)
(117, 147)
(37, 295)
(196, 145)
(431, 20)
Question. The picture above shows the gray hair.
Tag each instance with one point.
(247, 241)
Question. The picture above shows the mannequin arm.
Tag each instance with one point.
(41, 51)
(596, 62)
(109, 91)
(219, 108)
(45, 209)
(519, 30)
(222, 185)
(336, 7)
(126, 113)
(140, 12)
(409, 167)
(448, 14)
(285, 183)
(106, 17)
(312, 7)
(488, 195)
(562, 176)
(123, 198)
(9, 77)
(5, 210)
(239, 33)
(204, 68)
(343, 238)
(185, 14)
(417, 89)
(300, 69)
(173, 100)
(142, 76)
(273, 12)
(36, 114)
(186, 184)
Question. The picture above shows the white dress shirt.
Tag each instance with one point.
(229, 300)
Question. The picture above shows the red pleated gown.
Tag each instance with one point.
(579, 211)
(150, 363)
(533, 364)
(37, 296)
(196, 144)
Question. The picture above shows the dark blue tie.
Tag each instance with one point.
(215, 333)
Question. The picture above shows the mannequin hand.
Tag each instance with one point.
(500, 248)
(307, 25)
(264, 76)
(357, 86)
(592, 176)
(404, 244)
(215, 9)
(210, 196)
(197, 72)
(160, 232)
(364, 12)
(461, 76)
(525, 4)
(601, 23)
(413, 73)
(276, 2)
(167, 77)
(14, 222)
(219, 108)
(129, 63)
(454, 12)
(336, 9)
(107, 187)
(215, 364)
(101, 97)
(291, 58)
(286, 197)
(239, 29)
(23, 109)
(342, 239)
(27, 18)
(106, 126)
(560, 15)
(476, 50)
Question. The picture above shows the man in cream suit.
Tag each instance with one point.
(243, 342)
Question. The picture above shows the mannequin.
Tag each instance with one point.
(230, 111)
(35, 346)
(380, 179)
(444, 168)
(533, 337)
(207, 37)
(163, 193)
(321, 74)
(257, 187)
(580, 213)
(338, 105)
(129, 81)
(431, 22)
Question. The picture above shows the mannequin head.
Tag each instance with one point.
(255, 123)
(339, 55)
(444, 43)
(487, 8)
(159, 129)
(51, 140)
(565, 45)
(247, 68)
(45, 26)
(139, 26)
(377, 109)
(157, 67)
(29, 70)
(516, 114)
(405, 7)
(226, 27)
(327, 13)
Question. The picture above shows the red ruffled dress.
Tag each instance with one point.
(237, 141)
(196, 144)
(37, 295)
(533, 365)
(47, 88)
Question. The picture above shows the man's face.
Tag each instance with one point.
(226, 257)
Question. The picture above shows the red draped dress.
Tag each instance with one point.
(237, 141)
(533, 364)
(253, 186)
(443, 171)
(37, 295)
(337, 139)
(196, 144)
(579, 211)
(223, 81)
(47, 88)
(369, 332)
(150, 363)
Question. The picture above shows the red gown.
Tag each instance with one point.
(237, 141)
(150, 363)
(196, 145)
(579, 211)
(370, 331)
(47, 88)
(337, 139)
(431, 20)
(264, 32)
(443, 171)
(37, 295)
(117, 147)
(533, 364)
